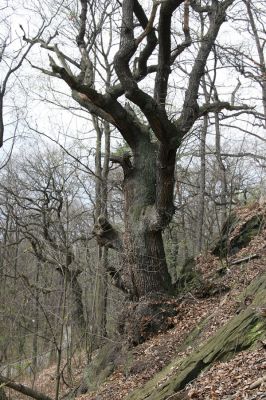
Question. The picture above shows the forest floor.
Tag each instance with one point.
(242, 377)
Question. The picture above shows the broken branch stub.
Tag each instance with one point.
(106, 234)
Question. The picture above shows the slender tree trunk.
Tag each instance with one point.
(185, 250)
(202, 182)
(222, 171)
(78, 308)
(36, 326)
(59, 348)
(104, 210)
(100, 304)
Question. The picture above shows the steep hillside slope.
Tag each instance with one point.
(217, 346)
(209, 329)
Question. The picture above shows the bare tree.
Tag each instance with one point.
(42, 203)
(256, 27)
(13, 53)
(146, 123)
(249, 58)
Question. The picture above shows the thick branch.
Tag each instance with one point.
(158, 120)
(82, 29)
(151, 41)
(85, 102)
(124, 161)
(23, 389)
(149, 26)
(143, 70)
(188, 41)
(104, 106)
(39, 253)
(219, 106)
(164, 57)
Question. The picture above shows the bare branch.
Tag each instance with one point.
(83, 16)
(219, 106)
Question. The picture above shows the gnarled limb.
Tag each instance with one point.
(105, 105)
(151, 41)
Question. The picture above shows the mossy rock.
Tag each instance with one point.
(240, 333)
(220, 249)
(186, 274)
(248, 231)
(100, 368)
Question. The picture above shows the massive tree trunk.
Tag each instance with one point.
(145, 260)
(142, 271)
(148, 191)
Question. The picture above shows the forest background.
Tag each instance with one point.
(129, 133)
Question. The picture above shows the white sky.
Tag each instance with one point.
(29, 89)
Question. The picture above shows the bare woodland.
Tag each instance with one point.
(130, 131)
